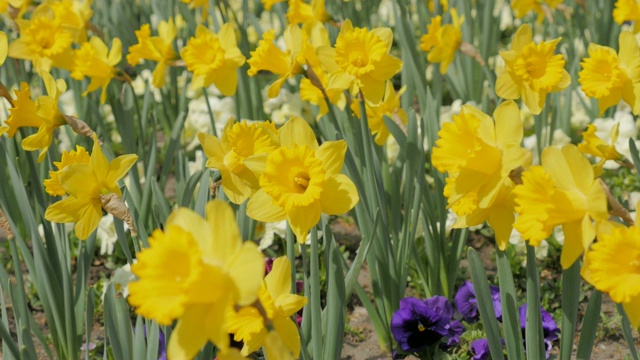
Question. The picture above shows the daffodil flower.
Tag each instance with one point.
(240, 155)
(609, 77)
(531, 70)
(562, 191)
(214, 59)
(593, 145)
(95, 61)
(627, 10)
(45, 41)
(479, 156)
(268, 56)
(156, 48)
(248, 323)
(85, 183)
(611, 266)
(43, 113)
(302, 180)
(442, 41)
(360, 61)
(194, 271)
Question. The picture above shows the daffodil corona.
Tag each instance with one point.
(531, 70)
(479, 155)
(302, 180)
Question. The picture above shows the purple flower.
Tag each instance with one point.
(480, 349)
(416, 326)
(467, 304)
(441, 306)
(162, 346)
(268, 264)
(549, 327)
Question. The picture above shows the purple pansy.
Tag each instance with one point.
(480, 349)
(467, 304)
(549, 327)
(419, 324)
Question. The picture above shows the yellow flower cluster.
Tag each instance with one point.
(284, 173)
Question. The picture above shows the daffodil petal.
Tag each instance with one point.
(339, 195)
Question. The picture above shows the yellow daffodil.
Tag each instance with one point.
(45, 41)
(523, 7)
(442, 41)
(214, 59)
(43, 113)
(155, 48)
(360, 61)
(95, 61)
(195, 4)
(314, 35)
(77, 156)
(193, 272)
(531, 70)
(593, 145)
(627, 10)
(279, 305)
(609, 77)
(389, 107)
(4, 47)
(302, 180)
(270, 58)
(300, 12)
(85, 183)
(479, 155)
(611, 266)
(240, 155)
(562, 191)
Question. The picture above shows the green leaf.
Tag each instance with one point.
(485, 304)
(589, 326)
(510, 316)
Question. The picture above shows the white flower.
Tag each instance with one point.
(107, 235)
(120, 280)
(144, 79)
(198, 119)
(520, 245)
(634, 197)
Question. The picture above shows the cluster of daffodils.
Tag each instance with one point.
(190, 258)
(284, 173)
(491, 176)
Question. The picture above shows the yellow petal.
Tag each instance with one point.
(278, 281)
(509, 129)
(501, 220)
(303, 218)
(119, 167)
(192, 223)
(288, 332)
(193, 331)
(339, 195)
(331, 153)
(275, 348)
(261, 207)
(89, 221)
(227, 81)
(297, 131)
(632, 309)
(522, 38)
(506, 87)
(247, 271)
